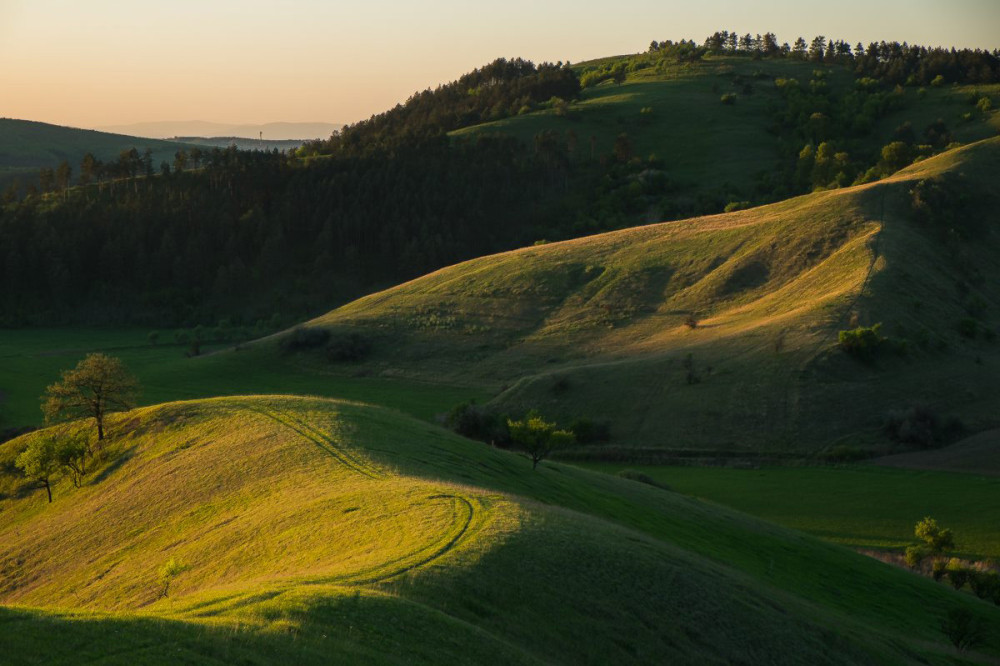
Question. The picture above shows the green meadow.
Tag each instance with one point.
(860, 506)
(32, 359)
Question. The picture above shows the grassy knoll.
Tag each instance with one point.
(598, 326)
(31, 359)
(325, 529)
(859, 506)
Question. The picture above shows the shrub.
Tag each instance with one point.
(862, 342)
(302, 339)
(919, 426)
(587, 431)
(958, 574)
(962, 628)
(348, 347)
(915, 556)
(982, 583)
(728, 98)
(736, 205)
(939, 569)
(479, 423)
(937, 539)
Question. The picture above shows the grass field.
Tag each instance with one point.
(316, 528)
(597, 326)
(860, 506)
(32, 359)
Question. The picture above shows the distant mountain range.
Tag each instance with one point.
(169, 129)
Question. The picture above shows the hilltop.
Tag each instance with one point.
(720, 333)
(327, 529)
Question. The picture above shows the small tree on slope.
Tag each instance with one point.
(537, 437)
(40, 462)
(97, 386)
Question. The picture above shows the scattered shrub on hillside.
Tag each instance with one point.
(934, 537)
(915, 555)
(168, 572)
(982, 582)
(736, 205)
(479, 423)
(919, 426)
(939, 569)
(538, 437)
(71, 454)
(958, 573)
(302, 339)
(640, 477)
(962, 628)
(968, 328)
(348, 347)
(587, 431)
(728, 98)
(153, 337)
(691, 321)
(862, 342)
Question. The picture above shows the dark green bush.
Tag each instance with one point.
(862, 342)
(302, 339)
(348, 347)
(919, 426)
(479, 423)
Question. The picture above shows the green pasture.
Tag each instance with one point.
(31, 359)
(860, 506)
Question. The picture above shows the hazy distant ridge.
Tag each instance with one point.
(169, 129)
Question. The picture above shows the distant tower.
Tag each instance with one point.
(262, 140)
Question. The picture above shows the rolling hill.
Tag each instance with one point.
(27, 146)
(601, 326)
(316, 529)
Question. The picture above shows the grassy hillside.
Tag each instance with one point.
(316, 530)
(27, 146)
(599, 326)
(732, 148)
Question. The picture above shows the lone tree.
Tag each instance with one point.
(97, 386)
(40, 462)
(537, 437)
(937, 539)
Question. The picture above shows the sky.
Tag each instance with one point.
(94, 63)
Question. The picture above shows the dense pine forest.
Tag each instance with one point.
(245, 236)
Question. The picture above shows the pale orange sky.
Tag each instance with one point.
(103, 62)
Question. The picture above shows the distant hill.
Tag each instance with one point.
(310, 531)
(241, 142)
(719, 334)
(27, 146)
(170, 129)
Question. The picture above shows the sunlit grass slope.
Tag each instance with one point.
(313, 530)
(707, 145)
(597, 326)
